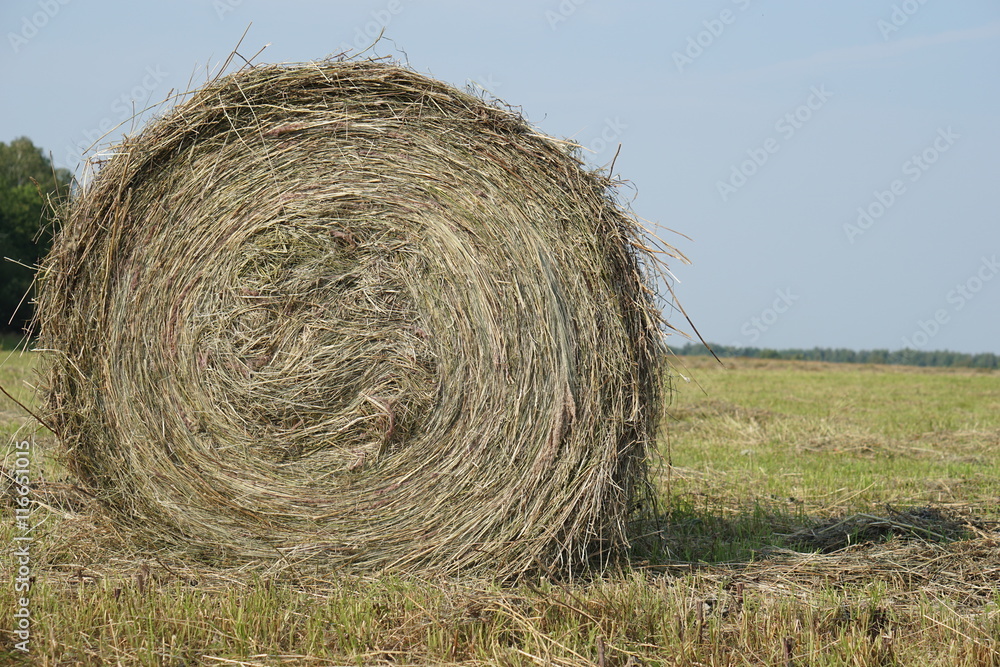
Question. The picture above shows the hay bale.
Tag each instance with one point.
(346, 316)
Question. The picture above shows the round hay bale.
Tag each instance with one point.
(342, 315)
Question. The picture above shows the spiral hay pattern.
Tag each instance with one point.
(343, 316)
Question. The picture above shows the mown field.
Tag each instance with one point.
(811, 514)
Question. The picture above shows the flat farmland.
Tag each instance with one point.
(808, 514)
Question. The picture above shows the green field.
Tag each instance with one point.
(811, 514)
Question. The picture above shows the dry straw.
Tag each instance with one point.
(343, 316)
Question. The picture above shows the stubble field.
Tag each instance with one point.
(811, 514)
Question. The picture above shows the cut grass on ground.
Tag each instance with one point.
(814, 514)
(759, 446)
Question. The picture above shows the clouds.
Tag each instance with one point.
(870, 54)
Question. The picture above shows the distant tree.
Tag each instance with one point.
(27, 181)
(907, 357)
(985, 361)
(878, 357)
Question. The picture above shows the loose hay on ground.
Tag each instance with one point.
(343, 316)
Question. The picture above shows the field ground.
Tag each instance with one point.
(812, 514)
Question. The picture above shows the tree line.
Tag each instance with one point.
(29, 189)
(905, 357)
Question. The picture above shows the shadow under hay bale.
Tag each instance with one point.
(346, 317)
(926, 523)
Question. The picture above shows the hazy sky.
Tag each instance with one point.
(835, 164)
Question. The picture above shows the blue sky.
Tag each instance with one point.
(834, 164)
